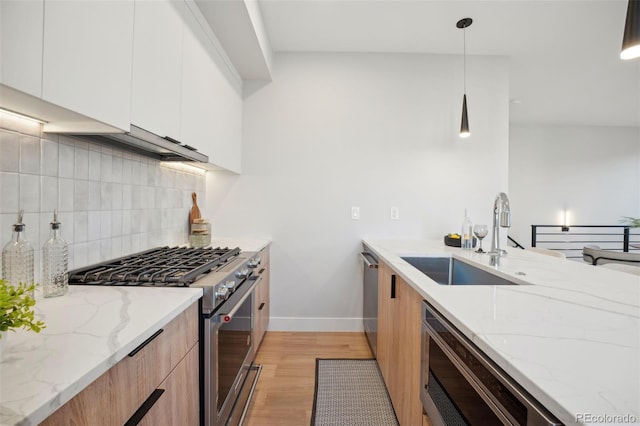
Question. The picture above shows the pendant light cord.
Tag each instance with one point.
(464, 58)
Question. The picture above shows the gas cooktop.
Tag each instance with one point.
(162, 266)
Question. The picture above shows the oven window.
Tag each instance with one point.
(234, 344)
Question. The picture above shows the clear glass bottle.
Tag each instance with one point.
(466, 236)
(55, 262)
(17, 257)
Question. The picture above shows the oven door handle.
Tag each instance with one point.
(227, 317)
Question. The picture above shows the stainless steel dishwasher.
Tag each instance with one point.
(370, 298)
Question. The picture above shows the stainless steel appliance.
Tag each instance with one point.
(226, 348)
(462, 386)
(370, 299)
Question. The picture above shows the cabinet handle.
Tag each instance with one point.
(144, 408)
(393, 286)
(261, 270)
(145, 343)
(261, 306)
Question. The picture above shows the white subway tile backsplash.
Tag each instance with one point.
(95, 159)
(116, 169)
(110, 202)
(81, 195)
(126, 196)
(116, 223)
(9, 192)
(95, 195)
(30, 193)
(105, 224)
(10, 155)
(93, 252)
(81, 226)
(66, 159)
(48, 193)
(49, 157)
(116, 196)
(30, 155)
(106, 166)
(80, 254)
(93, 226)
(82, 163)
(106, 196)
(65, 194)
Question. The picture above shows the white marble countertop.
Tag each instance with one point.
(88, 331)
(245, 244)
(571, 338)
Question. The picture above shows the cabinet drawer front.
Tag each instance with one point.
(179, 404)
(155, 361)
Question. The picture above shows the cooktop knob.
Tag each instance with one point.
(243, 273)
(230, 284)
(222, 292)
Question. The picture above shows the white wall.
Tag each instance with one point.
(592, 171)
(370, 130)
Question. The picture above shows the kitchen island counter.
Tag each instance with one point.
(570, 334)
(87, 332)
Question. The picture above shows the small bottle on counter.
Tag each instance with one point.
(466, 236)
(55, 262)
(17, 257)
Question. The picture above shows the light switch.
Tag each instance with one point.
(395, 213)
(355, 213)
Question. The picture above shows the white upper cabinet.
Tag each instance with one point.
(87, 58)
(211, 96)
(157, 66)
(21, 45)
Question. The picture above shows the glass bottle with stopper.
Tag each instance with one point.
(55, 262)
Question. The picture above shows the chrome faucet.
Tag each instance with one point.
(501, 218)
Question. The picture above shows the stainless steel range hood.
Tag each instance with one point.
(150, 144)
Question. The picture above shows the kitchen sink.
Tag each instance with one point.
(449, 271)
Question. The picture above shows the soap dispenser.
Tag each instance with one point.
(55, 262)
(466, 236)
(17, 257)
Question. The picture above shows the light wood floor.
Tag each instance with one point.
(284, 392)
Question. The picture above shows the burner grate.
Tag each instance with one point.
(162, 266)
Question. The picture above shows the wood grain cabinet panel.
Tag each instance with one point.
(116, 395)
(261, 306)
(399, 339)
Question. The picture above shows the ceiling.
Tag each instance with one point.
(564, 63)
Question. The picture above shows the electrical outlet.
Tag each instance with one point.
(355, 213)
(395, 213)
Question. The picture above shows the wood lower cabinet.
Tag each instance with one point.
(399, 339)
(169, 361)
(261, 308)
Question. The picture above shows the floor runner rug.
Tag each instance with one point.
(351, 392)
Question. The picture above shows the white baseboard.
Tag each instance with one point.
(315, 324)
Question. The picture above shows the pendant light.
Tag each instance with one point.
(464, 124)
(631, 38)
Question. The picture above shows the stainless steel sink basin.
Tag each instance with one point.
(449, 271)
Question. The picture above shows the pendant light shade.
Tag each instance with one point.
(631, 38)
(464, 123)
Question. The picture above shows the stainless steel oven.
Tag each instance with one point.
(462, 386)
(228, 352)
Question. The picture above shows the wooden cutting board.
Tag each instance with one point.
(195, 210)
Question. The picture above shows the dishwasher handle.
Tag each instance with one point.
(372, 264)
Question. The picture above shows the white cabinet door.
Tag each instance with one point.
(211, 103)
(87, 58)
(157, 66)
(21, 45)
